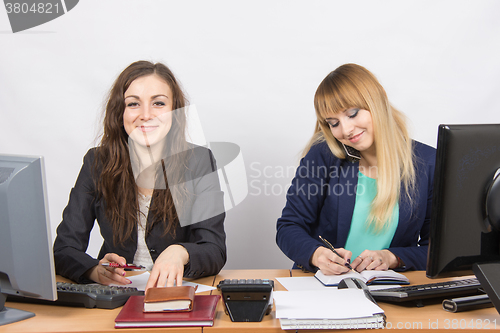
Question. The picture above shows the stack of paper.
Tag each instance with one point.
(327, 309)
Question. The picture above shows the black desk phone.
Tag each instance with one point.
(247, 299)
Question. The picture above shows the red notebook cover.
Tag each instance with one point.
(132, 314)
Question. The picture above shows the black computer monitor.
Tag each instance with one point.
(467, 162)
(26, 257)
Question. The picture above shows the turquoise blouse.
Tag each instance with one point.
(361, 237)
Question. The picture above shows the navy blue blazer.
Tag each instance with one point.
(321, 198)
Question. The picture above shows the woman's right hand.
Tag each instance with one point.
(108, 275)
(330, 263)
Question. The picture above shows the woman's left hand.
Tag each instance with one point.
(168, 269)
(374, 260)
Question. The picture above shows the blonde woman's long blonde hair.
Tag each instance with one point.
(352, 85)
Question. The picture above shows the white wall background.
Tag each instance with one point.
(251, 68)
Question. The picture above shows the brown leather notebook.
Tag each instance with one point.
(169, 299)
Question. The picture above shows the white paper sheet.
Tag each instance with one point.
(301, 283)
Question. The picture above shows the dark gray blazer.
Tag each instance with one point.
(205, 241)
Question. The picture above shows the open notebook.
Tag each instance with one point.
(369, 277)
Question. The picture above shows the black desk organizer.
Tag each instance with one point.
(247, 300)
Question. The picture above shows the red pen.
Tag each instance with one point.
(126, 266)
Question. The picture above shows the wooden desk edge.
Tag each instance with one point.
(430, 318)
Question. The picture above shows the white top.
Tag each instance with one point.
(142, 255)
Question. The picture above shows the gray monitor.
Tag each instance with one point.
(26, 257)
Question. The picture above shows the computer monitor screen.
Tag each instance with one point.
(26, 258)
(467, 159)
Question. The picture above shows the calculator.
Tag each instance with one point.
(247, 299)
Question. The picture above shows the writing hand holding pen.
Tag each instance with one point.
(331, 261)
(330, 246)
(107, 272)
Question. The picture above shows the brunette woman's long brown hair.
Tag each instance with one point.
(116, 184)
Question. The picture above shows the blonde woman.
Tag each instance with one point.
(363, 184)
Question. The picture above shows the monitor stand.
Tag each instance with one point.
(10, 315)
(488, 274)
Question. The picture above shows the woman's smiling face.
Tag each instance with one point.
(147, 117)
(353, 127)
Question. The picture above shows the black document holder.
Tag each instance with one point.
(488, 274)
(246, 302)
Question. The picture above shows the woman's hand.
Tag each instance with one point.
(375, 260)
(108, 275)
(168, 269)
(330, 263)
